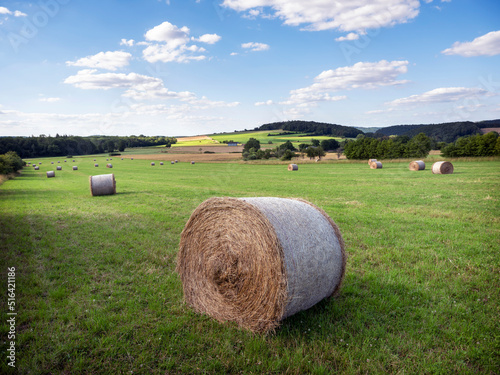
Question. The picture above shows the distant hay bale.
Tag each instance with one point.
(37, 168)
(152, 164)
(418, 165)
(33, 165)
(59, 168)
(192, 162)
(161, 163)
(177, 161)
(51, 162)
(121, 159)
(376, 165)
(75, 168)
(103, 184)
(73, 160)
(65, 161)
(51, 174)
(257, 261)
(109, 165)
(94, 160)
(107, 159)
(442, 167)
(293, 167)
(96, 165)
(40, 163)
(371, 161)
(58, 161)
(131, 158)
(172, 162)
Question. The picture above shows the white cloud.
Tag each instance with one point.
(128, 43)
(343, 15)
(486, 45)
(103, 60)
(255, 47)
(234, 53)
(169, 43)
(209, 38)
(441, 95)
(49, 100)
(350, 36)
(268, 102)
(17, 13)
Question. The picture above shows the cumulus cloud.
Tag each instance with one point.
(343, 15)
(49, 100)
(16, 13)
(169, 43)
(103, 60)
(350, 36)
(441, 95)
(486, 45)
(255, 47)
(267, 102)
(128, 43)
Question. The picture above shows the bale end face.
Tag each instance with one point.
(293, 167)
(442, 167)
(371, 161)
(418, 165)
(376, 165)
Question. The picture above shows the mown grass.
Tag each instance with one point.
(96, 290)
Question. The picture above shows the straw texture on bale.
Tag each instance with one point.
(103, 184)
(256, 261)
(59, 168)
(371, 161)
(442, 167)
(293, 167)
(418, 165)
(376, 165)
(51, 174)
(109, 165)
(75, 168)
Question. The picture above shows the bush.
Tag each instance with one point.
(10, 162)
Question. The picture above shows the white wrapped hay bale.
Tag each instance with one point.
(442, 167)
(293, 167)
(51, 174)
(418, 165)
(103, 184)
(256, 261)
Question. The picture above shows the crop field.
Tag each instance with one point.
(263, 137)
(96, 289)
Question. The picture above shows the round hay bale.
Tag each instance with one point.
(51, 162)
(107, 159)
(73, 160)
(37, 168)
(121, 159)
(59, 168)
(75, 168)
(152, 164)
(51, 174)
(40, 163)
(376, 165)
(58, 161)
(293, 167)
(161, 163)
(103, 184)
(33, 165)
(256, 261)
(371, 161)
(94, 160)
(65, 161)
(442, 167)
(172, 162)
(131, 158)
(177, 161)
(418, 165)
(96, 165)
(109, 165)
(192, 162)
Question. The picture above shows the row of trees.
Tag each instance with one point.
(10, 162)
(476, 145)
(390, 148)
(43, 146)
(287, 151)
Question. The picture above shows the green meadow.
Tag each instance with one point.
(96, 290)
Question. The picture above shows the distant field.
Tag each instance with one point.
(263, 137)
(96, 290)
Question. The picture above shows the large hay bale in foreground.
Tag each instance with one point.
(256, 261)
(371, 161)
(442, 167)
(376, 165)
(418, 165)
(103, 184)
(293, 167)
(51, 174)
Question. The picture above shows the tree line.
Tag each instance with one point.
(313, 128)
(63, 145)
(10, 162)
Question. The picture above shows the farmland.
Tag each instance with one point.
(96, 290)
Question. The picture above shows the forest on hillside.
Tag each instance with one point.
(313, 128)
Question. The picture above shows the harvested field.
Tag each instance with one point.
(487, 130)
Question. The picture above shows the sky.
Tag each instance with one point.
(191, 67)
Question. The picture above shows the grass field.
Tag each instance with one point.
(263, 138)
(96, 290)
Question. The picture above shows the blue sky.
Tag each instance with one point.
(202, 66)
